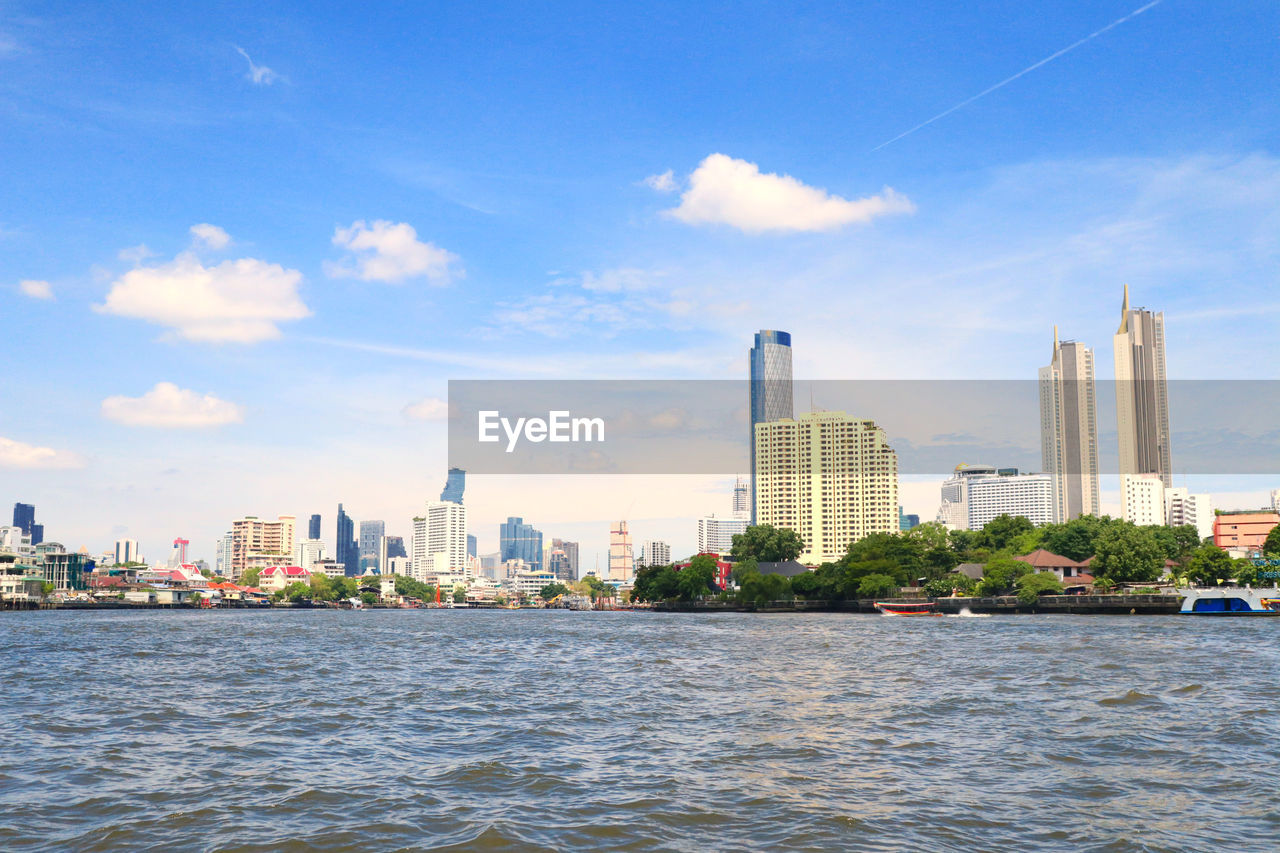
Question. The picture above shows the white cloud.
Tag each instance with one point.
(259, 75)
(18, 454)
(135, 254)
(726, 191)
(239, 301)
(430, 409)
(391, 252)
(167, 405)
(210, 236)
(36, 289)
(664, 183)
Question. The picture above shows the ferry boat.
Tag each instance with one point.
(1231, 601)
(924, 608)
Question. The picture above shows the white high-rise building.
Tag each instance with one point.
(440, 541)
(715, 535)
(975, 494)
(223, 557)
(831, 478)
(127, 551)
(308, 552)
(1069, 429)
(1142, 393)
(1181, 507)
(655, 552)
(1275, 499)
(1143, 496)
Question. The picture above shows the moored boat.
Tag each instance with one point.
(890, 608)
(1231, 601)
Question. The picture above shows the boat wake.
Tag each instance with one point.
(966, 613)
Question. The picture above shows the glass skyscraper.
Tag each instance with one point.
(348, 551)
(371, 533)
(770, 388)
(520, 541)
(454, 486)
(24, 517)
(313, 528)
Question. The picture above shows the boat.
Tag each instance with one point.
(1230, 601)
(924, 608)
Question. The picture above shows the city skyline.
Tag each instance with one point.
(567, 247)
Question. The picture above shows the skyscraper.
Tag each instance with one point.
(127, 551)
(656, 553)
(1142, 393)
(257, 544)
(520, 541)
(1069, 429)
(313, 527)
(570, 550)
(831, 478)
(741, 499)
(715, 535)
(347, 550)
(371, 533)
(24, 517)
(621, 560)
(471, 545)
(558, 565)
(769, 365)
(454, 485)
(439, 545)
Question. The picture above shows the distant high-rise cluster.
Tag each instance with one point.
(520, 541)
(24, 518)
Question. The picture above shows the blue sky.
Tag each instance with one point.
(515, 141)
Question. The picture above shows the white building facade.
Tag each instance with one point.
(976, 494)
(715, 535)
(1143, 496)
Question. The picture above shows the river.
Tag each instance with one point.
(399, 730)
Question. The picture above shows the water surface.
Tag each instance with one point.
(399, 730)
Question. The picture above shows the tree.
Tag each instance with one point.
(250, 577)
(1271, 547)
(876, 586)
(551, 590)
(697, 578)
(195, 599)
(297, 591)
(459, 594)
(1032, 586)
(931, 535)
(1075, 538)
(999, 533)
(948, 584)
(1179, 543)
(1210, 565)
(1000, 574)
(369, 597)
(768, 544)
(1124, 552)
(762, 590)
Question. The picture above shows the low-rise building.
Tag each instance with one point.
(1243, 533)
(276, 578)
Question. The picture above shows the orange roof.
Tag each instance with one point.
(1042, 559)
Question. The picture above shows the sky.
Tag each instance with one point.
(243, 252)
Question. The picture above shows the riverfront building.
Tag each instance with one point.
(1142, 393)
(975, 494)
(1069, 429)
(831, 478)
(769, 371)
(256, 543)
(1243, 533)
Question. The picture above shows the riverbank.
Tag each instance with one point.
(1143, 605)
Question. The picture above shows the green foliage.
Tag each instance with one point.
(932, 535)
(250, 577)
(947, 584)
(1245, 572)
(964, 541)
(876, 586)
(369, 597)
(195, 599)
(1271, 547)
(999, 533)
(1075, 538)
(698, 578)
(767, 544)
(459, 594)
(1178, 543)
(1104, 585)
(551, 590)
(297, 591)
(410, 588)
(759, 590)
(47, 588)
(1000, 574)
(1210, 565)
(663, 583)
(1032, 586)
(1124, 552)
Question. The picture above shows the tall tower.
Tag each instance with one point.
(1142, 393)
(621, 561)
(1069, 429)
(769, 365)
(348, 551)
(454, 486)
(741, 499)
(313, 527)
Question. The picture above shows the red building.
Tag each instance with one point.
(1245, 531)
(723, 569)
